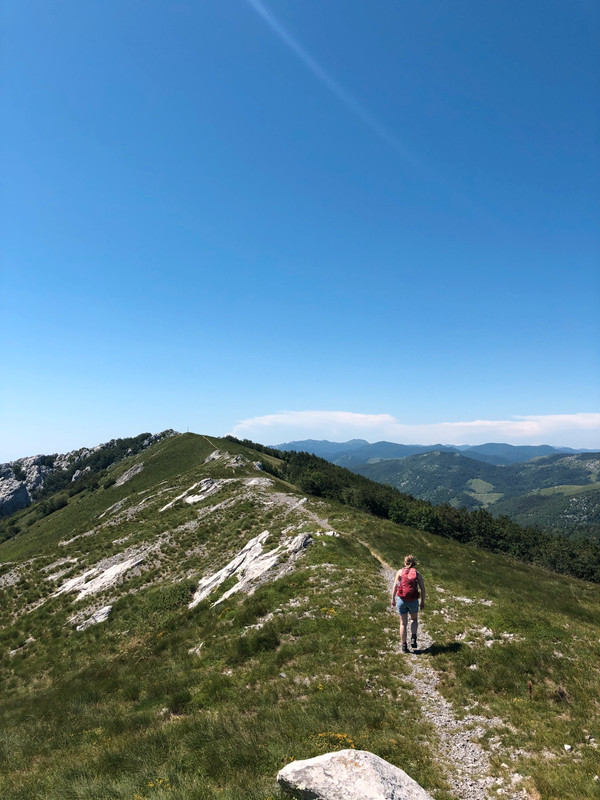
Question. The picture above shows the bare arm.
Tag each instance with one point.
(422, 588)
(396, 579)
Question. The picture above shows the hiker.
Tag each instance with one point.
(405, 595)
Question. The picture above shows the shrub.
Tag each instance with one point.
(19, 472)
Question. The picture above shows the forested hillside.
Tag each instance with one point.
(560, 493)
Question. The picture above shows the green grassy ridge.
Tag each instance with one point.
(178, 460)
(95, 462)
(321, 478)
(60, 484)
(555, 622)
(84, 710)
(170, 468)
(579, 557)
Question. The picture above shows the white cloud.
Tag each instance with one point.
(566, 430)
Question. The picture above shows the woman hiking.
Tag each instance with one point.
(405, 596)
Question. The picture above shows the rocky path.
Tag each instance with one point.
(467, 763)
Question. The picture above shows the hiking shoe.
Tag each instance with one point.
(413, 642)
(404, 647)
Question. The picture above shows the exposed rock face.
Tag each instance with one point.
(79, 473)
(104, 575)
(129, 474)
(206, 487)
(21, 480)
(36, 470)
(13, 494)
(28, 641)
(157, 437)
(348, 775)
(250, 564)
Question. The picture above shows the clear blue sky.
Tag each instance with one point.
(300, 218)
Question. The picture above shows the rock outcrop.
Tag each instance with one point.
(129, 474)
(13, 494)
(99, 616)
(22, 480)
(251, 564)
(105, 574)
(348, 775)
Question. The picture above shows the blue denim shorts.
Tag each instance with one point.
(407, 606)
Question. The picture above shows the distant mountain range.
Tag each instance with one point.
(359, 451)
(556, 489)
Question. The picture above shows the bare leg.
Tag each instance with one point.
(403, 621)
(414, 624)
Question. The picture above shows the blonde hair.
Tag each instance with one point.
(410, 561)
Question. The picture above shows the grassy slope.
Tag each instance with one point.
(124, 710)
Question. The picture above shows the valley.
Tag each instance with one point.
(539, 486)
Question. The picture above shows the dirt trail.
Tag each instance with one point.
(466, 763)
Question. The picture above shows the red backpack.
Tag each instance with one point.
(408, 585)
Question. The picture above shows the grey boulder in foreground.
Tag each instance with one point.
(348, 775)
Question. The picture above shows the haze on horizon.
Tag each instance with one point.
(290, 220)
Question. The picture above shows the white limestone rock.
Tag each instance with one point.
(10, 578)
(206, 487)
(104, 575)
(13, 496)
(20, 481)
(261, 482)
(99, 616)
(28, 641)
(158, 437)
(251, 564)
(348, 775)
(80, 473)
(129, 474)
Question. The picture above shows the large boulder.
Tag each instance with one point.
(348, 775)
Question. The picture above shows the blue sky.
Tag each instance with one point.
(300, 218)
